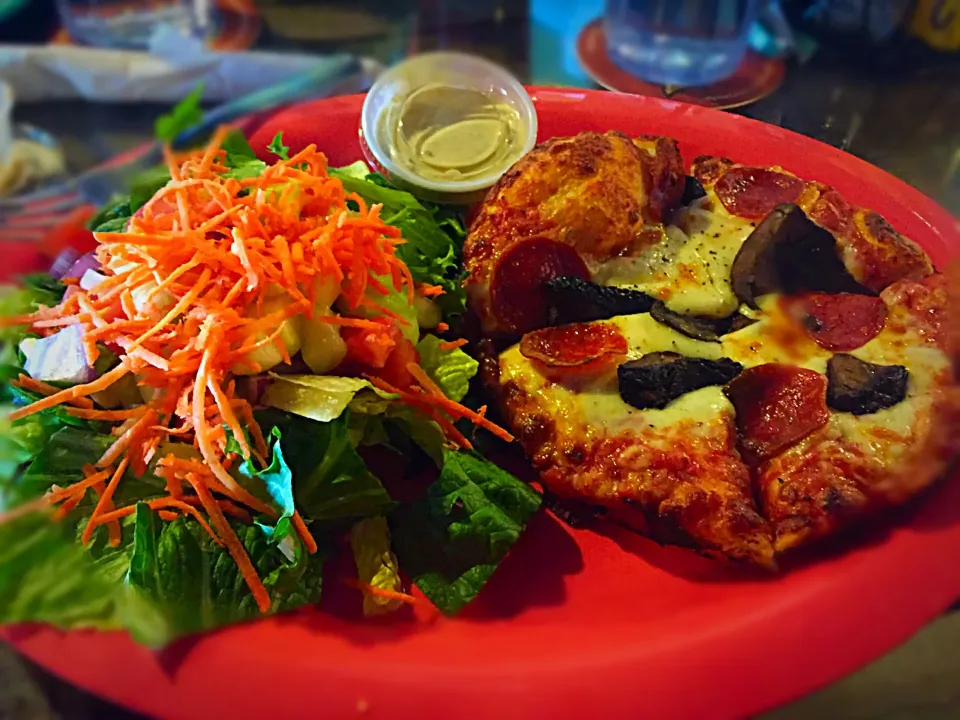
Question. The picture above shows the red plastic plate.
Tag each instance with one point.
(576, 623)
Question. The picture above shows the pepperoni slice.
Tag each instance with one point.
(839, 322)
(777, 406)
(579, 348)
(753, 192)
(833, 213)
(517, 295)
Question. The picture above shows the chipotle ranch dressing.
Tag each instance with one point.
(446, 133)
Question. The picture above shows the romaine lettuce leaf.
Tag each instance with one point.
(453, 538)
(319, 397)
(241, 157)
(145, 185)
(376, 563)
(47, 577)
(451, 370)
(192, 584)
(23, 299)
(183, 116)
(22, 440)
(277, 147)
(331, 483)
(273, 485)
(61, 463)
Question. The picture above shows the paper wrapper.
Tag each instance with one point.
(172, 68)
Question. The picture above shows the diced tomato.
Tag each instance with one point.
(369, 346)
(395, 369)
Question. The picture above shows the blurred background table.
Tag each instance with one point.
(904, 120)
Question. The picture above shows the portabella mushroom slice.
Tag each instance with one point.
(861, 388)
(699, 327)
(789, 253)
(574, 300)
(656, 379)
(692, 190)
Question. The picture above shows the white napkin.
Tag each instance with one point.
(172, 68)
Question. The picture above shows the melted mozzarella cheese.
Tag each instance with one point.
(646, 335)
(690, 269)
(774, 338)
(596, 402)
(594, 406)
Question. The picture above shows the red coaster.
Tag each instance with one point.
(757, 76)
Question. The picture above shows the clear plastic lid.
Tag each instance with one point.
(447, 125)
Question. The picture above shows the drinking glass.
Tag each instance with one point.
(129, 23)
(679, 42)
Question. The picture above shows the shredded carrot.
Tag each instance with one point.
(381, 592)
(79, 487)
(67, 507)
(228, 508)
(199, 287)
(301, 529)
(452, 408)
(430, 290)
(138, 428)
(105, 500)
(28, 383)
(73, 393)
(452, 345)
(106, 415)
(27, 508)
(232, 542)
(442, 327)
(154, 505)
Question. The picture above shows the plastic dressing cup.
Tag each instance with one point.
(6, 123)
(446, 126)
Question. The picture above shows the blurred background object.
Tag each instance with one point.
(371, 28)
(895, 36)
(130, 23)
(27, 20)
(679, 42)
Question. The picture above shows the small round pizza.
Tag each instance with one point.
(737, 361)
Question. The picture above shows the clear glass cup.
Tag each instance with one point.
(679, 42)
(130, 23)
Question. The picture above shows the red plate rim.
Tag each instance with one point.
(753, 644)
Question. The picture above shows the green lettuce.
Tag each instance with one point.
(48, 577)
(434, 237)
(451, 370)
(273, 485)
(331, 480)
(184, 115)
(452, 539)
(33, 293)
(376, 563)
(22, 440)
(277, 147)
(320, 397)
(189, 584)
(241, 157)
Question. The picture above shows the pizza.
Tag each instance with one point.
(736, 360)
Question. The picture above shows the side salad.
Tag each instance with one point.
(187, 412)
